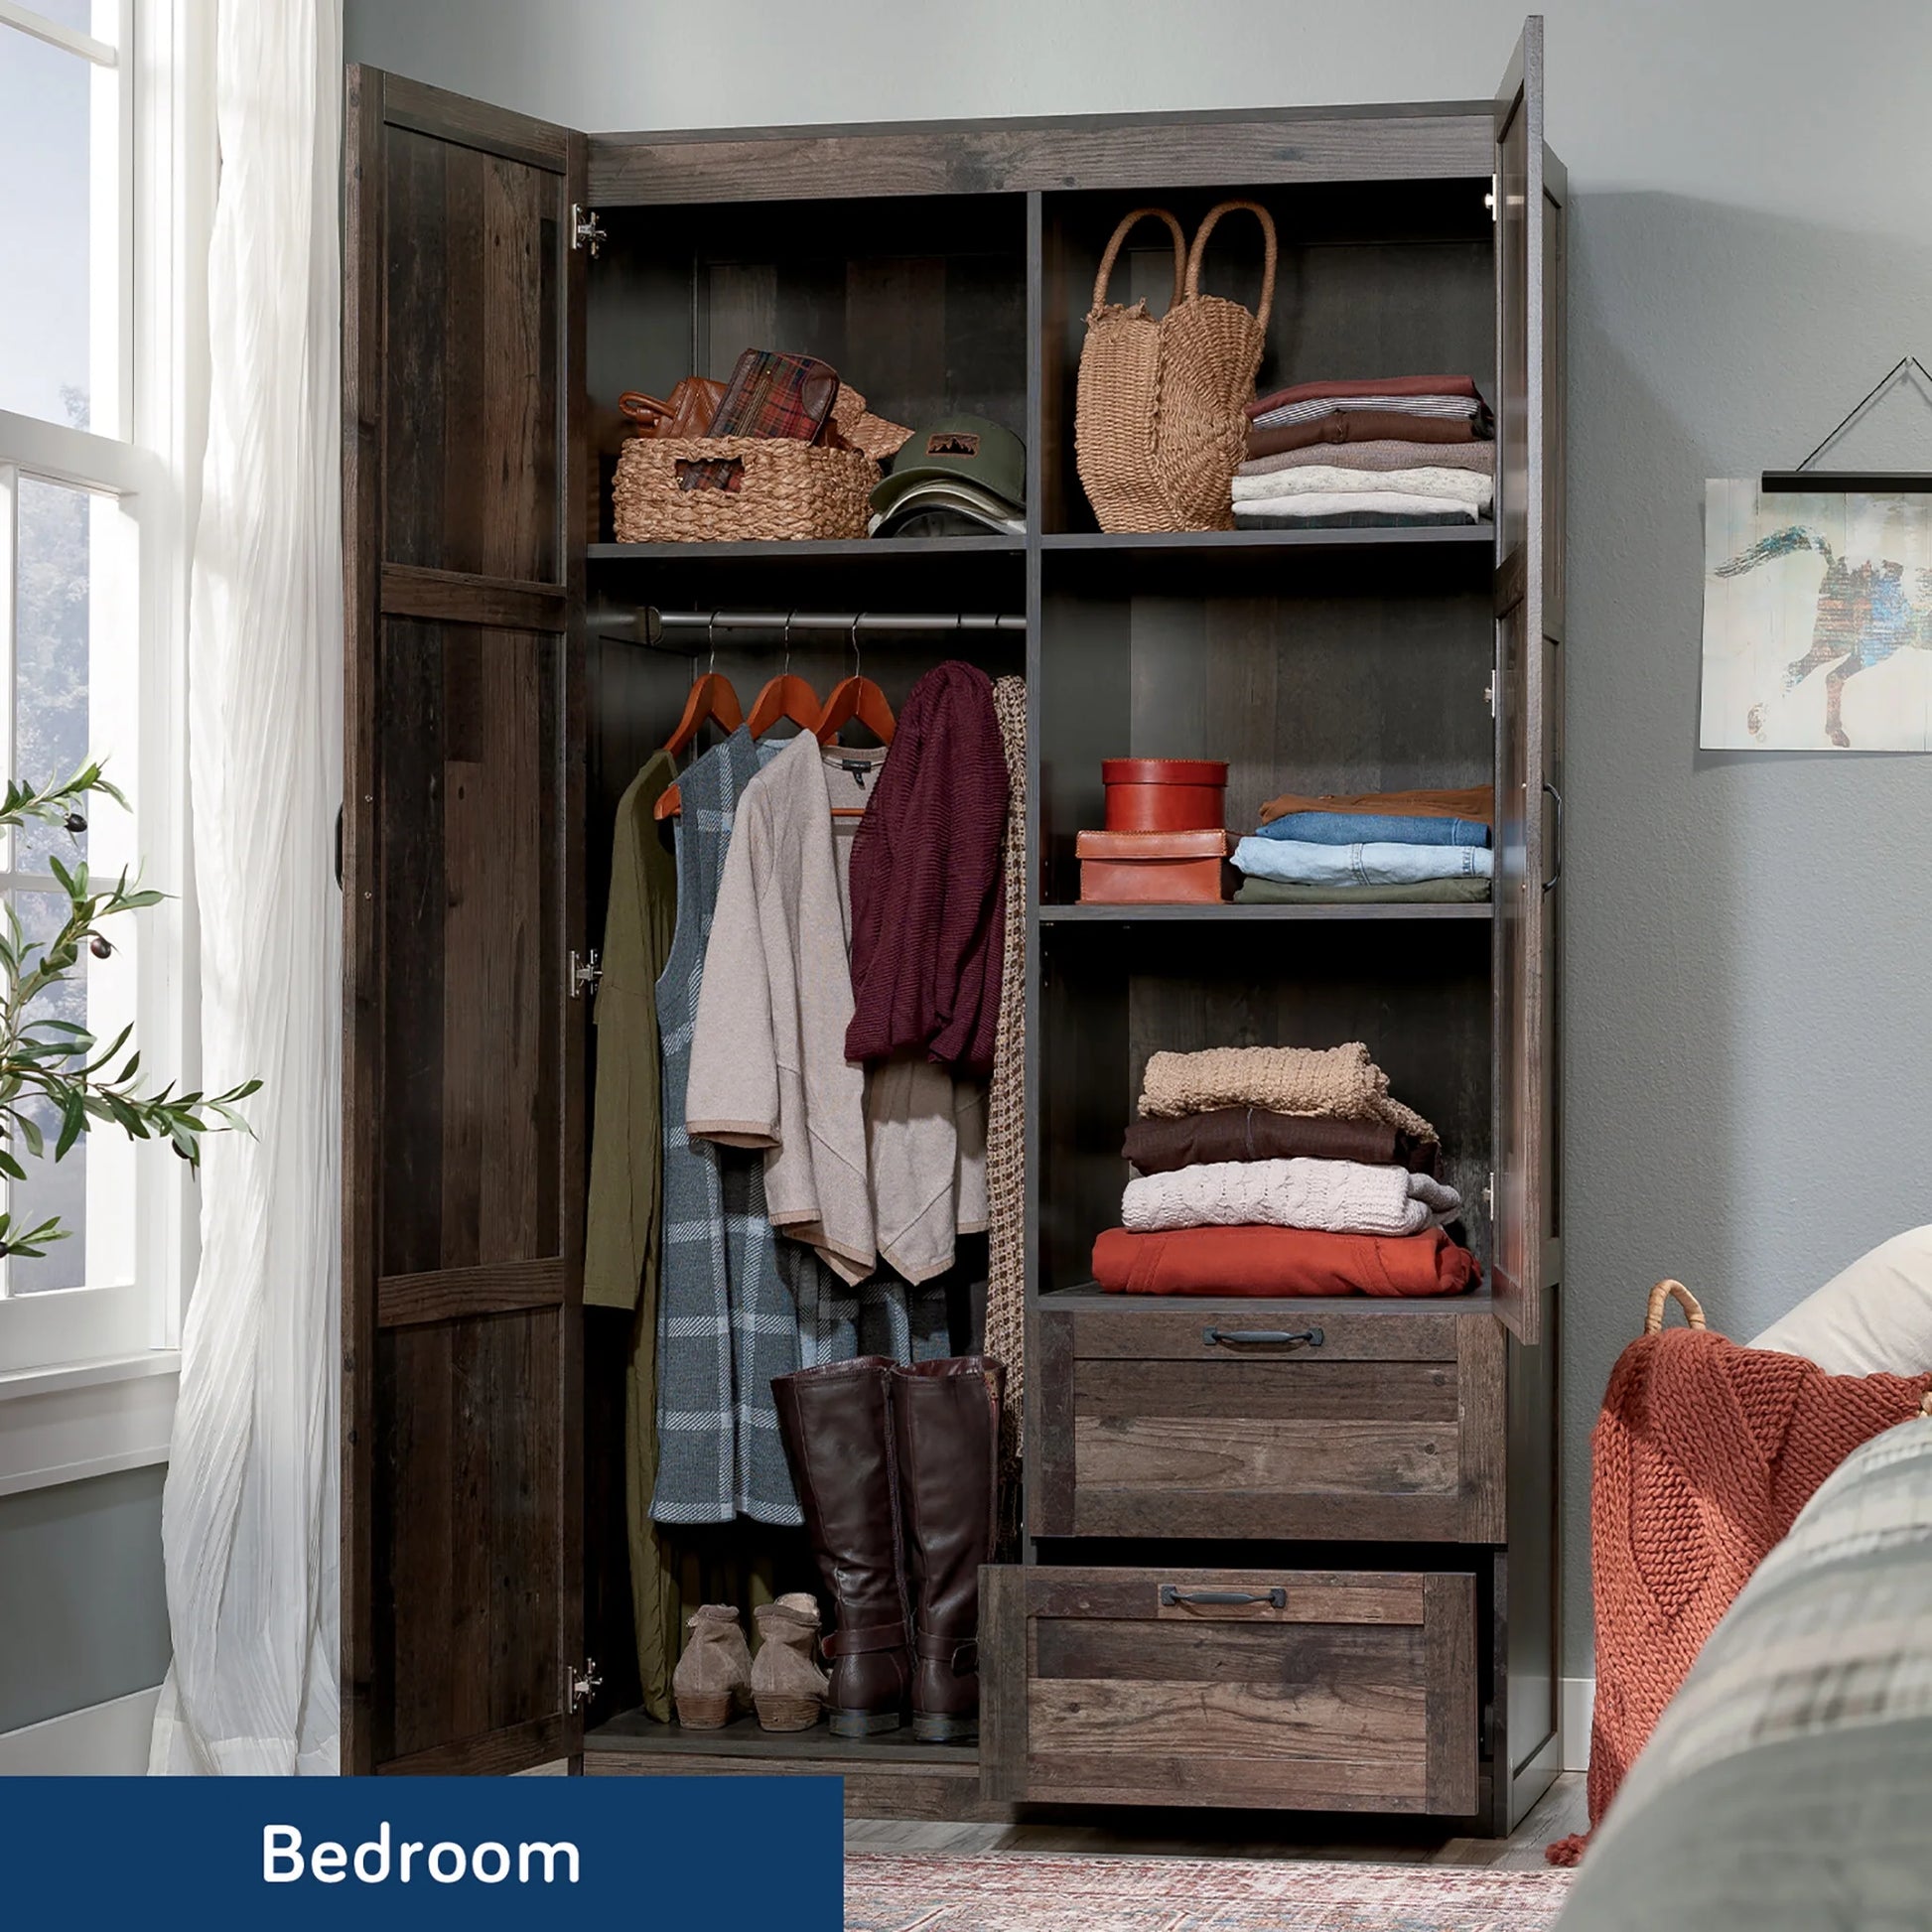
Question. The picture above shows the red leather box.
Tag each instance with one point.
(1164, 794)
(1155, 868)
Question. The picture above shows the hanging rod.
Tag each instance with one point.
(687, 630)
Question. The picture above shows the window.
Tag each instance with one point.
(107, 163)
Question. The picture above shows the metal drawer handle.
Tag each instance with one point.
(1173, 1593)
(1234, 1337)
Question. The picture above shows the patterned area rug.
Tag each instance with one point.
(1039, 1893)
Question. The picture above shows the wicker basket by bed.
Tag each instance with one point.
(791, 491)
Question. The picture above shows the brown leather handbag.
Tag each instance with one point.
(686, 411)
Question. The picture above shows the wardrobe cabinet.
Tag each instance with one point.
(1373, 1517)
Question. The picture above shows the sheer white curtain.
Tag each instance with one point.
(249, 1515)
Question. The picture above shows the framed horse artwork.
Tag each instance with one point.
(1817, 618)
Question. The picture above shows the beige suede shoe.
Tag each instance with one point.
(788, 1684)
(713, 1679)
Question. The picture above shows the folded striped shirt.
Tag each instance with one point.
(1448, 408)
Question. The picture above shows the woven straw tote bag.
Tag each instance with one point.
(1114, 402)
(1210, 351)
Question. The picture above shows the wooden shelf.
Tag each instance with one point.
(840, 551)
(633, 1731)
(1193, 543)
(1228, 912)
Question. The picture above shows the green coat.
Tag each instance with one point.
(623, 1229)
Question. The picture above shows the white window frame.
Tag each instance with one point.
(145, 451)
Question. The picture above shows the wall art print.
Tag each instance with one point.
(1817, 621)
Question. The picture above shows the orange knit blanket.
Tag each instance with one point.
(1701, 1458)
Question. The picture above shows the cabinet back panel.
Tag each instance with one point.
(1418, 996)
(1378, 690)
(1387, 278)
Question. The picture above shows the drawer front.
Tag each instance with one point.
(1232, 1421)
(1313, 1691)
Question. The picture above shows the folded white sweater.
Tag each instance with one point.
(1334, 1197)
(1467, 488)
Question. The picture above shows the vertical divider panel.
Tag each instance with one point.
(1036, 471)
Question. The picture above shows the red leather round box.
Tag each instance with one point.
(1164, 794)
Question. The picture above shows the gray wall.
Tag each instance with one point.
(1749, 1002)
(82, 1600)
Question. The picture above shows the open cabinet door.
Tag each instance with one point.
(1529, 696)
(462, 873)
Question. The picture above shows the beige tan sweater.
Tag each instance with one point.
(1339, 1081)
(885, 1169)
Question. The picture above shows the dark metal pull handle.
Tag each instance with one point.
(1173, 1593)
(338, 845)
(1235, 1337)
(1549, 884)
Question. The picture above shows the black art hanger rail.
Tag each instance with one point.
(692, 632)
(1874, 482)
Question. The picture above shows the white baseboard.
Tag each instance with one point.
(105, 1741)
(1579, 1699)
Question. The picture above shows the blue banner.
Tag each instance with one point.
(725, 1853)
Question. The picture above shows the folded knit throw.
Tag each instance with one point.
(1469, 488)
(1341, 1081)
(1364, 503)
(1336, 1196)
(1262, 1261)
(1382, 452)
(1702, 1458)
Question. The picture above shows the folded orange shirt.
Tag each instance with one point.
(1281, 1261)
(1477, 803)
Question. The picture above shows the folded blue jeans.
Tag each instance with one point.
(1296, 862)
(1371, 828)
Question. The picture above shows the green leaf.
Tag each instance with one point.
(73, 1118)
(9, 1166)
(30, 1132)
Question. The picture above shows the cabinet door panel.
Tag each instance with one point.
(1528, 697)
(463, 867)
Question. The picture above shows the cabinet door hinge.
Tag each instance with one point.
(1489, 694)
(585, 973)
(1490, 200)
(584, 1684)
(1489, 1197)
(586, 230)
(1487, 1731)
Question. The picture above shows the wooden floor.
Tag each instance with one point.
(1237, 1836)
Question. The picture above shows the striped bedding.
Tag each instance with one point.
(1788, 1785)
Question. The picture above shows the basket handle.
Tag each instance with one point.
(1268, 252)
(1653, 1321)
(1120, 235)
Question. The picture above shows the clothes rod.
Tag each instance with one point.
(843, 622)
(690, 631)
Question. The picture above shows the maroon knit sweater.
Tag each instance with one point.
(928, 896)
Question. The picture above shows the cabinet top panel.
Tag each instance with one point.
(1412, 142)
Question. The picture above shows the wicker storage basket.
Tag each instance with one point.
(1114, 401)
(1210, 349)
(791, 491)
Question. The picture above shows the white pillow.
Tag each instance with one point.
(1874, 1318)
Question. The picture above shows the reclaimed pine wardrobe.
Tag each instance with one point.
(1374, 1517)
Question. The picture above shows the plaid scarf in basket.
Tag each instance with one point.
(772, 394)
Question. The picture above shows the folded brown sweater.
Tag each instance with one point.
(1360, 426)
(1339, 1081)
(1475, 801)
(1253, 1134)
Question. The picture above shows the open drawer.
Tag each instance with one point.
(1309, 1419)
(1317, 1690)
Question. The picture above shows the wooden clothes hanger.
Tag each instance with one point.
(785, 696)
(856, 699)
(713, 699)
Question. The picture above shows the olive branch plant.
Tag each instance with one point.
(56, 1065)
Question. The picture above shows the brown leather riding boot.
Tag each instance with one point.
(946, 1416)
(836, 1423)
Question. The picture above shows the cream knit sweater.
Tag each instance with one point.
(1339, 1081)
(1334, 1197)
